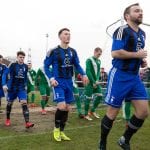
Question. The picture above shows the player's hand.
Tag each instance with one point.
(141, 53)
(94, 85)
(97, 82)
(144, 63)
(85, 80)
(53, 82)
(5, 88)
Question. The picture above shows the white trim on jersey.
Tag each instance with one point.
(112, 74)
(94, 66)
(30, 78)
(120, 32)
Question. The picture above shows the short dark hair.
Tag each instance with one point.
(97, 49)
(21, 53)
(1, 56)
(127, 9)
(63, 29)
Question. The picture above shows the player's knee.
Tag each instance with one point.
(142, 114)
(145, 114)
(68, 107)
(23, 102)
(112, 112)
(62, 106)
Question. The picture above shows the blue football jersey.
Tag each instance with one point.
(63, 62)
(127, 39)
(16, 75)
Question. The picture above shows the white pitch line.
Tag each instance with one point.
(69, 129)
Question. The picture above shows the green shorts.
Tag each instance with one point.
(30, 88)
(75, 90)
(89, 90)
(44, 90)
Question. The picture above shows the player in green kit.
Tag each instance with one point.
(44, 86)
(93, 89)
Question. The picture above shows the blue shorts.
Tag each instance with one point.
(21, 95)
(1, 93)
(123, 85)
(63, 92)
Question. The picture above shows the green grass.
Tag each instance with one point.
(84, 134)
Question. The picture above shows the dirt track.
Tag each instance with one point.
(42, 122)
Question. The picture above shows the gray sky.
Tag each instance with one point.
(25, 23)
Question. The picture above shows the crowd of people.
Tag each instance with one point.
(62, 74)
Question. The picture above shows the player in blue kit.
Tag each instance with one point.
(14, 81)
(2, 68)
(124, 82)
(62, 59)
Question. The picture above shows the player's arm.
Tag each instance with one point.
(123, 54)
(144, 63)
(120, 38)
(77, 64)
(79, 68)
(48, 63)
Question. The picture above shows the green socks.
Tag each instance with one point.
(32, 98)
(87, 105)
(78, 104)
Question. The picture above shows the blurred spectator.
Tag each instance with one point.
(103, 77)
(145, 76)
(79, 78)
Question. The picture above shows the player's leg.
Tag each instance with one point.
(64, 111)
(96, 101)
(61, 106)
(68, 100)
(11, 97)
(106, 125)
(43, 98)
(115, 94)
(22, 95)
(141, 112)
(48, 92)
(135, 123)
(88, 98)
